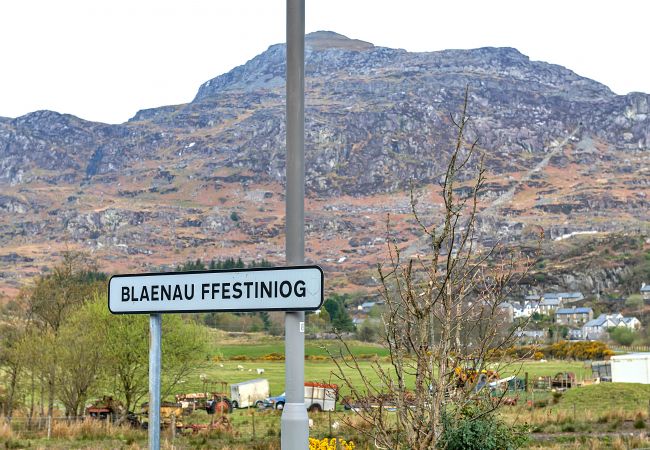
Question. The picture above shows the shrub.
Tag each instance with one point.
(556, 397)
(622, 335)
(473, 429)
(560, 350)
(639, 421)
(273, 357)
(330, 444)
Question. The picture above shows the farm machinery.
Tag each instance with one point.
(170, 415)
(211, 402)
(105, 408)
(473, 377)
(563, 380)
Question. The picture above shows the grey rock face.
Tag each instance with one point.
(376, 117)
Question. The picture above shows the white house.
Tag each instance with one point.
(645, 291)
(526, 309)
(531, 335)
(632, 323)
(596, 328)
(367, 306)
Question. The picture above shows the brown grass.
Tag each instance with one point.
(92, 430)
(6, 433)
(618, 443)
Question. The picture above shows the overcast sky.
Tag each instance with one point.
(105, 59)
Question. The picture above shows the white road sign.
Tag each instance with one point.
(297, 288)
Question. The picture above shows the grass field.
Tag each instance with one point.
(236, 357)
(570, 419)
(606, 397)
(257, 345)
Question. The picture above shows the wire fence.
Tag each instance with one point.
(631, 348)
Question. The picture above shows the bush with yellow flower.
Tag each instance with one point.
(330, 444)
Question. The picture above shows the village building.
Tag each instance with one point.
(548, 305)
(573, 316)
(564, 297)
(598, 327)
(645, 291)
(575, 334)
(531, 335)
(527, 309)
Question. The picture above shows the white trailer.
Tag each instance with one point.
(631, 368)
(320, 396)
(249, 393)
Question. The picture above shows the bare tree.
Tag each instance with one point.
(443, 317)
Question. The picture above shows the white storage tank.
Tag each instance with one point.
(631, 368)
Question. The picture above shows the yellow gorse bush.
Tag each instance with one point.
(330, 444)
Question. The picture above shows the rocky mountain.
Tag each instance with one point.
(205, 179)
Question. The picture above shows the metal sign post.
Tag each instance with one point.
(261, 289)
(155, 332)
(295, 422)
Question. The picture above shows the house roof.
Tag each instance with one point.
(597, 322)
(573, 311)
(613, 319)
(564, 295)
(627, 320)
(550, 302)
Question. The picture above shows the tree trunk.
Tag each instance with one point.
(31, 403)
(41, 397)
(50, 394)
(12, 391)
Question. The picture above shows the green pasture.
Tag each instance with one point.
(236, 360)
(606, 397)
(549, 368)
(237, 371)
(312, 348)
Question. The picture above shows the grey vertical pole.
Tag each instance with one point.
(155, 330)
(295, 423)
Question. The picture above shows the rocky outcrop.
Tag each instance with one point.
(562, 153)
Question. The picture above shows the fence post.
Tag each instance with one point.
(253, 420)
(329, 418)
(173, 427)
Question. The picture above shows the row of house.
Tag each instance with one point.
(596, 328)
(593, 329)
(543, 304)
(580, 320)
